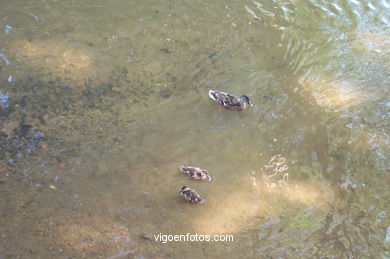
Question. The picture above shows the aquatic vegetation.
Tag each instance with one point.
(95, 104)
(72, 63)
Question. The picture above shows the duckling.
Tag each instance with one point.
(190, 195)
(229, 101)
(195, 172)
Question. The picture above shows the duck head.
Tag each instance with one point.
(184, 189)
(205, 174)
(246, 99)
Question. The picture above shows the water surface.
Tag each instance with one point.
(102, 101)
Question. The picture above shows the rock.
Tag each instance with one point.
(43, 119)
(62, 165)
(147, 237)
(387, 238)
(44, 146)
(23, 129)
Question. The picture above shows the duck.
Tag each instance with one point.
(195, 172)
(190, 195)
(230, 101)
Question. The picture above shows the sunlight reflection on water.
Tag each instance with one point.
(100, 103)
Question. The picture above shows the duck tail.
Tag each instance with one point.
(184, 169)
(212, 94)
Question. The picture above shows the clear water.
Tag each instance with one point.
(102, 101)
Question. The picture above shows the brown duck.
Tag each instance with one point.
(190, 195)
(230, 101)
(195, 172)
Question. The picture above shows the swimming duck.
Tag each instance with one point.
(190, 195)
(195, 172)
(230, 101)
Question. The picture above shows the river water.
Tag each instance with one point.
(101, 102)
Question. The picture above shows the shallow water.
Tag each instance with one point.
(102, 101)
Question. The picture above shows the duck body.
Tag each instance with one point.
(230, 101)
(190, 195)
(195, 172)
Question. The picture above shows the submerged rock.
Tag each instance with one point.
(4, 100)
(387, 238)
(23, 129)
